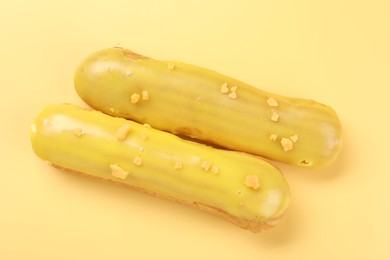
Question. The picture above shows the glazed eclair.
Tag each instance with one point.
(242, 188)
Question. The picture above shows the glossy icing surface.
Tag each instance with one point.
(91, 142)
(203, 104)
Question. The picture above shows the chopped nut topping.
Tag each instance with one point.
(171, 66)
(252, 181)
(147, 125)
(294, 138)
(274, 116)
(287, 144)
(215, 169)
(78, 132)
(144, 136)
(135, 98)
(233, 95)
(122, 132)
(145, 95)
(137, 161)
(141, 149)
(118, 172)
(273, 137)
(206, 165)
(224, 88)
(272, 102)
(178, 165)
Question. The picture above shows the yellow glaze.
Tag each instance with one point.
(243, 188)
(205, 105)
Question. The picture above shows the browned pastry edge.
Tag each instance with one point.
(254, 226)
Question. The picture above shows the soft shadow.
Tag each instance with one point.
(289, 228)
(285, 232)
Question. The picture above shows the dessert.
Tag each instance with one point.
(202, 104)
(242, 188)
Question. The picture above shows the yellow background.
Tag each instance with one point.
(335, 52)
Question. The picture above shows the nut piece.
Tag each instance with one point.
(178, 165)
(145, 95)
(78, 132)
(233, 95)
(224, 88)
(206, 165)
(233, 89)
(215, 169)
(122, 132)
(287, 144)
(118, 172)
(273, 137)
(137, 161)
(252, 181)
(294, 138)
(272, 102)
(135, 98)
(144, 136)
(275, 116)
(171, 66)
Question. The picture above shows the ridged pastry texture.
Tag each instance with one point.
(242, 188)
(202, 104)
